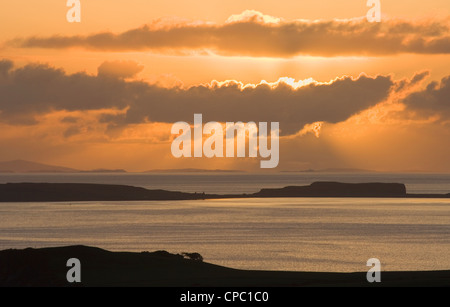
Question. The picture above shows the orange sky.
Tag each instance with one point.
(400, 125)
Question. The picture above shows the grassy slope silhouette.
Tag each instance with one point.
(47, 267)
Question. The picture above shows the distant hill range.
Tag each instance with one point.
(331, 170)
(102, 170)
(23, 166)
(193, 170)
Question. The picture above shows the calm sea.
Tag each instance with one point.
(302, 234)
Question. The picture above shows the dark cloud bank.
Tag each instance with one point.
(37, 89)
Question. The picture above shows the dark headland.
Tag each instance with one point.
(50, 192)
(47, 267)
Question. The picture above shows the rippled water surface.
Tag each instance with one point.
(304, 234)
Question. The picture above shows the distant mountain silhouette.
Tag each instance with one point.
(193, 170)
(23, 166)
(330, 170)
(102, 170)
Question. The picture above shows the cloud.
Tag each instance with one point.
(433, 100)
(252, 16)
(69, 119)
(255, 34)
(314, 128)
(120, 69)
(406, 85)
(71, 131)
(5, 67)
(39, 89)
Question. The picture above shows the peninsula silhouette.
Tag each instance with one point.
(51, 192)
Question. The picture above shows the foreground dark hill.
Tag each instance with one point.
(49, 192)
(47, 267)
